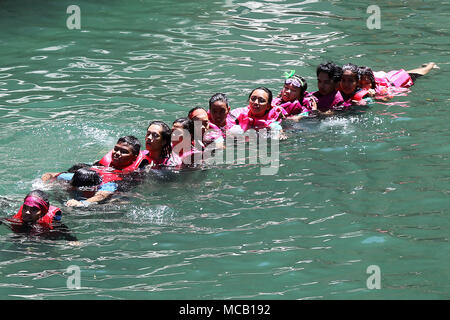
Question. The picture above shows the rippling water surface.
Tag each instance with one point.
(369, 188)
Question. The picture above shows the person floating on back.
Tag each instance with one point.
(384, 85)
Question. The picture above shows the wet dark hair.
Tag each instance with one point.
(364, 71)
(85, 178)
(218, 97)
(133, 142)
(332, 69)
(38, 194)
(193, 109)
(351, 67)
(166, 135)
(187, 124)
(264, 89)
(77, 166)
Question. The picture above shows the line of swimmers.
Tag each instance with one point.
(339, 88)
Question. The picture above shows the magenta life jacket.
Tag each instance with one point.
(230, 122)
(246, 121)
(46, 220)
(397, 78)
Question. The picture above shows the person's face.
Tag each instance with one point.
(30, 214)
(259, 102)
(202, 116)
(153, 139)
(325, 84)
(290, 93)
(348, 82)
(219, 111)
(177, 134)
(122, 155)
(365, 83)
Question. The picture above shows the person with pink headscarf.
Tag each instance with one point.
(38, 218)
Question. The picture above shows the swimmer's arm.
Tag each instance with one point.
(98, 197)
(295, 118)
(49, 176)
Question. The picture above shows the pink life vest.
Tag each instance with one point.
(396, 78)
(247, 121)
(230, 122)
(296, 107)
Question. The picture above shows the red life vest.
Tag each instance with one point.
(143, 155)
(360, 95)
(45, 220)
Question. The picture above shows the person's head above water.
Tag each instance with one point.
(199, 115)
(219, 109)
(294, 88)
(349, 80)
(125, 152)
(328, 77)
(181, 127)
(35, 206)
(85, 178)
(366, 78)
(158, 139)
(260, 101)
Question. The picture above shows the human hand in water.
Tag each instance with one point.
(371, 92)
(49, 176)
(74, 203)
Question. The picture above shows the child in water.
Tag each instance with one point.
(294, 98)
(36, 217)
(384, 85)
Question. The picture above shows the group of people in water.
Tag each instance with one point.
(339, 88)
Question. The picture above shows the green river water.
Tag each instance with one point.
(370, 188)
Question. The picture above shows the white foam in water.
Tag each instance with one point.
(159, 214)
(344, 124)
(41, 185)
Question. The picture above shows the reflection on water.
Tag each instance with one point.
(351, 191)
